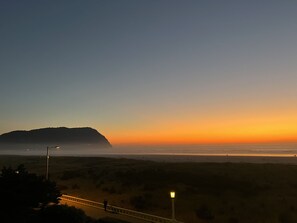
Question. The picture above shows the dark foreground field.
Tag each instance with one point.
(206, 192)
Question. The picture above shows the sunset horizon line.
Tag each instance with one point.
(196, 143)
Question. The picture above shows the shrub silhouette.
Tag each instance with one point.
(62, 214)
(22, 192)
(204, 213)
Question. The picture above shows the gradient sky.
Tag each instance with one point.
(151, 72)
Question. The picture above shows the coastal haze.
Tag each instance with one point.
(267, 149)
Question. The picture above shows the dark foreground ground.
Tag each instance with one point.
(205, 192)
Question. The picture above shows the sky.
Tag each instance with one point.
(146, 72)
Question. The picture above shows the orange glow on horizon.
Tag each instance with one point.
(193, 141)
(260, 130)
(207, 137)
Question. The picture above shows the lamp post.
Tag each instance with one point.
(172, 195)
(47, 158)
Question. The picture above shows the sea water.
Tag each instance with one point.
(247, 149)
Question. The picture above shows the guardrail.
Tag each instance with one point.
(119, 210)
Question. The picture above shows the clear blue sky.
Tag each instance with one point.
(149, 71)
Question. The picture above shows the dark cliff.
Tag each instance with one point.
(57, 136)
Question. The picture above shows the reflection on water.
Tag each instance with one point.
(280, 149)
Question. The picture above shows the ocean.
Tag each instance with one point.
(247, 149)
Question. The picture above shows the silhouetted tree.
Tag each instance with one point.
(22, 192)
(63, 214)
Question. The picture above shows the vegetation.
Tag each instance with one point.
(205, 192)
(22, 192)
(34, 200)
(62, 214)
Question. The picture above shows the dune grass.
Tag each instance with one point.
(205, 192)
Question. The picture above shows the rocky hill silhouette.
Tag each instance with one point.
(61, 135)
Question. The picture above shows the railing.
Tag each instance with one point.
(119, 210)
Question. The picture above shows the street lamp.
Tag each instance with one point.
(47, 158)
(172, 195)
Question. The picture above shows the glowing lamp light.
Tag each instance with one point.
(172, 194)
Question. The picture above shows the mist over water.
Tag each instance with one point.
(267, 149)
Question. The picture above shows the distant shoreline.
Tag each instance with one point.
(179, 158)
(247, 153)
(210, 158)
